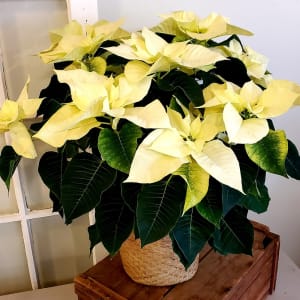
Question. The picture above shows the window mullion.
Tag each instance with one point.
(41, 213)
(26, 230)
(10, 218)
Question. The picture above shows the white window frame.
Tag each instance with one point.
(84, 12)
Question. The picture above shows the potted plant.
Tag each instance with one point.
(163, 132)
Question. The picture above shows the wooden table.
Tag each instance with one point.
(218, 277)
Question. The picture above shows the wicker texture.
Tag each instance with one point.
(155, 264)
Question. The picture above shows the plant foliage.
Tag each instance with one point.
(163, 131)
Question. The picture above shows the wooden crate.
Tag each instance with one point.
(234, 277)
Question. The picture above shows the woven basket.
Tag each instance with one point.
(155, 264)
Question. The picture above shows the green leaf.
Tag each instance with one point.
(55, 90)
(130, 193)
(250, 171)
(51, 168)
(292, 163)
(257, 198)
(270, 152)
(230, 198)
(114, 219)
(94, 236)
(9, 161)
(207, 78)
(210, 207)
(226, 42)
(70, 149)
(190, 235)
(55, 94)
(84, 180)
(197, 183)
(56, 204)
(118, 148)
(185, 87)
(159, 207)
(232, 69)
(235, 234)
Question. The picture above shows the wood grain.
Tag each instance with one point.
(230, 277)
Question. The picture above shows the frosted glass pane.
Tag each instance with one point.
(8, 200)
(14, 276)
(24, 28)
(36, 193)
(61, 251)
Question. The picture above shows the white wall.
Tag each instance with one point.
(276, 25)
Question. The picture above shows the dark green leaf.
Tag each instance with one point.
(292, 163)
(210, 206)
(250, 171)
(118, 148)
(159, 206)
(55, 94)
(47, 108)
(253, 177)
(115, 60)
(230, 198)
(62, 65)
(208, 78)
(212, 43)
(56, 204)
(190, 235)
(155, 92)
(232, 70)
(84, 180)
(51, 168)
(70, 149)
(130, 193)
(270, 152)
(185, 87)
(235, 234)
(175, 106)
(94, 236)
(9, 161)
(257, 198)
(114, 219)
(55, 90)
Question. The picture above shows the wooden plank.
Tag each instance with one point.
(216, 276)
(251, 275)
(259, 288)
(92, 289)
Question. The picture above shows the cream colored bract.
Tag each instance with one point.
(12, 114)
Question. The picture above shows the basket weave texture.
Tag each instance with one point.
(155, 264)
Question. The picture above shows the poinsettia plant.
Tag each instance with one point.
(163, 131)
